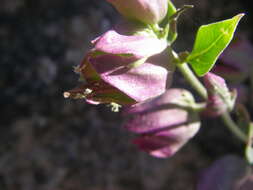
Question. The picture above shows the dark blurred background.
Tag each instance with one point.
(51, 143)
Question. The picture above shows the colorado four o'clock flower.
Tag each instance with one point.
(165, 123)
(117, 70)
(146, 11)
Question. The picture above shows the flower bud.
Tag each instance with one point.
(111, 74)
(146, 11)
(220, 99)
(163, 123)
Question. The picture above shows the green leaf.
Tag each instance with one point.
(211, 40)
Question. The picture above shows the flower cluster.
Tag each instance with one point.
(133, 68)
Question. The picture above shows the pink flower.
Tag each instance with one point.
(163, 123)
(146, 11)
(111, 74)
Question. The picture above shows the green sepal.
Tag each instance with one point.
(171, 28)
(171, 9)
(169, 24)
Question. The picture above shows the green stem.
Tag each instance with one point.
(197, 85)
(192, 79)
(233, 127)
(199, 107)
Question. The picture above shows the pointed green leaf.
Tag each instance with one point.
(211, 40)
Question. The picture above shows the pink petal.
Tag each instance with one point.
(166, 143)
(137, 46)
(140, 83)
